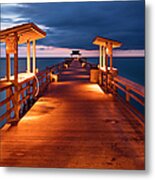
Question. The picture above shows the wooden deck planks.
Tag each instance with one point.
(74, 124)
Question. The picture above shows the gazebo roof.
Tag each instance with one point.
(75, 52)
(103, 41)
(25, 32)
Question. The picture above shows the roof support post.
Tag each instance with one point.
(16, 60)
(104, 56)
(106, 69)
(34, 56)
(16, 93)
(111, 56)
(8, 79)
(100, 56)
(8, 67)
(28, 57)
(111, 62)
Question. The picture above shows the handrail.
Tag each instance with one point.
(19, 97)
(111, 82)
(4, 85)
(15, 97)
(130, 88)
(137, 88)
(133, 91)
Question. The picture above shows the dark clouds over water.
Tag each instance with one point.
(74, 25)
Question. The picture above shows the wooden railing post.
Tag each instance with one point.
(8, 105)
(127, 94)
(47, 75)
(34, 87)
(114, 88)
(110, 78)
(27, 94)
(17, 99)
(106, 67)
(22, 95)
(100, 77)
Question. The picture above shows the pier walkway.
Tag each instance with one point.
(75, 124)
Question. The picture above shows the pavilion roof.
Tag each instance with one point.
(75, 52)
(25, 32)
(104, 41)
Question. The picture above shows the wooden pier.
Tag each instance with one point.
(74, 124)
(69, 115)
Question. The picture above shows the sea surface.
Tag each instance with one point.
(131, 68)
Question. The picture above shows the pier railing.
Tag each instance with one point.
(130, 88)
(16, 99)
(125, 89)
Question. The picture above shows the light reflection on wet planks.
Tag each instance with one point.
(75, 125)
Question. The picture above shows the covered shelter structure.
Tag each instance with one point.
(12, 37)
(106, 47)
(25, 33)
(75, 53)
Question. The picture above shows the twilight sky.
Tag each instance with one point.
(75, 25)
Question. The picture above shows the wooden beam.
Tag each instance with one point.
(111, 54)
(103, 41)
(106, 67)
(16, 60)
(100, 56)
(34, 56)
(23, 32)
(8, 67)
(17, 99)
(127, 94)
(8, 104)
(28, 57)
(104, 56)
(17, 96)
(111, 62)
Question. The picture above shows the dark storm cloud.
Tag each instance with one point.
(74, 25)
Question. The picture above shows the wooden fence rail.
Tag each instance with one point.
(115, 83)
(111, 82)
(18, 98)
(130, 88)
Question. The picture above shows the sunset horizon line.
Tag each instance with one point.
(52, 51)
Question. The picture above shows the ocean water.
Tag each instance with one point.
(131, 68)
(42, 63)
